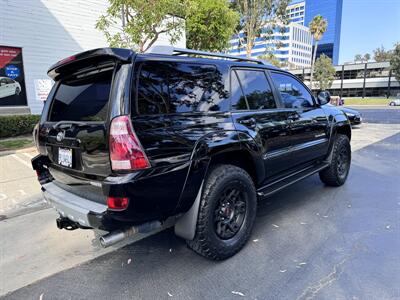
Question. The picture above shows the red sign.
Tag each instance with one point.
(12, 80)
(7, 54)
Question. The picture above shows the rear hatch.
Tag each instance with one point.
(76, 139)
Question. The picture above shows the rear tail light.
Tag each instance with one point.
(117, 203)
(126, 153)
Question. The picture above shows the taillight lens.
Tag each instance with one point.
(126, 153)
(117, 203)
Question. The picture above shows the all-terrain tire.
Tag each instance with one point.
(337, 172)
(211, 241)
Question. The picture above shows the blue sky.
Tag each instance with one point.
(368, 24)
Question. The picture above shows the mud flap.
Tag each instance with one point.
(185, 226)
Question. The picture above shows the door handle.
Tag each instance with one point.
(251, 123)
(293, 117)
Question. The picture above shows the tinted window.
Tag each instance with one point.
(83, 99)
(8, 81)
(237, 98)
(174, 87)
(256, 89)
(293, 93)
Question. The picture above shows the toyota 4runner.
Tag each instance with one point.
(128, 141)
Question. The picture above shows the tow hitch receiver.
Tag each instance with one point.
(65, 223)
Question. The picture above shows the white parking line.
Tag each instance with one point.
(28, 155)
(21, 160)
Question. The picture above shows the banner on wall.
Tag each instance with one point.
(42, 88)
(12, 80)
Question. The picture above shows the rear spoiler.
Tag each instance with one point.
(88, 58)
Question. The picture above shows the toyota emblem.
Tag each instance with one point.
(60, 136)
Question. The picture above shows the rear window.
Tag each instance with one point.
(82, 99)
(168, 87)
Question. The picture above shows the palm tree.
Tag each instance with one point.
(318, 26)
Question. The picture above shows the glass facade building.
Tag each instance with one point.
(332, 11)
(300, 13)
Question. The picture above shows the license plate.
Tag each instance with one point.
(65, 157)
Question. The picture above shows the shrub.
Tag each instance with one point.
(17, 125)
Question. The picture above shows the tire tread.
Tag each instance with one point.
(201, 242)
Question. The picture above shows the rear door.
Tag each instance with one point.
(76, 128)
(256, 112)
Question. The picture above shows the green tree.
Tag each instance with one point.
(367, 57)
(395, 61)
(324, 72)
(210, 24)
(380, 54)
(255, 15)
(270, 58)
(318, 26)
(137, 24)
(358, 58)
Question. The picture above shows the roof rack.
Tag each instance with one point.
(170, 50)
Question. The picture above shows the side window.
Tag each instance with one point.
(293, 93)
(8, 81)
(256, 89)
(175, 88)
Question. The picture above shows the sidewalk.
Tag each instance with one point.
(24, 150)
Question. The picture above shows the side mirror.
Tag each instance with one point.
(324, 97)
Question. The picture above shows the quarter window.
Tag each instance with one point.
(237, 98)
(293, 93)
(256, 89)
(167, 87)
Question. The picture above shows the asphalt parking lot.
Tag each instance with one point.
(309, 242)
(379, 114)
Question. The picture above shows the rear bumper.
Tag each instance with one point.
(77, 209)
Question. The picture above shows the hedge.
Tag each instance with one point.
(17, 125)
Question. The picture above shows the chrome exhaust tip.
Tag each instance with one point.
(117, 236)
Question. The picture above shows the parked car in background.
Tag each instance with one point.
(9, 87)
(128, 141)
(354, 116)
(394, 102)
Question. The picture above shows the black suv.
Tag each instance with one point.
(129, 141)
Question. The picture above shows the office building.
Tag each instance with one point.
(373, 79)
(301, 13)
(331, 10)
(294, 48)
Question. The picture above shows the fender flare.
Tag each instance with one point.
(185, 225)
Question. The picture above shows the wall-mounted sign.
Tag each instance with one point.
(42, 88)
(12, 81)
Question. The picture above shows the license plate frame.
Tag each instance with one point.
(65, 157)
